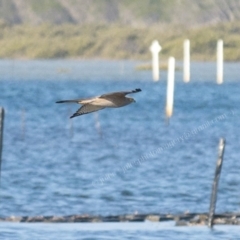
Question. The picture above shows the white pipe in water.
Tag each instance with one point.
(155, 48)
(186, 60)
(220, 61)
(170, 87)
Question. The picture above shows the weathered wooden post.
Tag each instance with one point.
(155, 48)
(186, 60)
(221, 148)
(220, 61)
(170, 87)
(1, 135)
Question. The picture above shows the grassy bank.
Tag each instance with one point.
(115, 41)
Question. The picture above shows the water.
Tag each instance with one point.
(116, 231)
(117, 161)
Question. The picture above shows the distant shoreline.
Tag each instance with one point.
(115, 42)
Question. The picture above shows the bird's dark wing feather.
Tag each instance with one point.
(120, 94)
(86, 108)
(68, 101)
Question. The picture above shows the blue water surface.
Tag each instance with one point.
(116, 161)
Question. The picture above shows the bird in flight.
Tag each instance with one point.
(108, 100)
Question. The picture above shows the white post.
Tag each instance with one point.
(186, 60)
(170, 87)
(155, 48)
(220, 61)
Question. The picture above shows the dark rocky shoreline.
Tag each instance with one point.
(185, 219)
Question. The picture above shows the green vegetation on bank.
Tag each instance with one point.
(115, 41)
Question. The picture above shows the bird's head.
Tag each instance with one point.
(132, 100)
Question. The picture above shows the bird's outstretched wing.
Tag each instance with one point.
(120, 94)
(86, 108)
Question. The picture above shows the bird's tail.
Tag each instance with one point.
(68, 101)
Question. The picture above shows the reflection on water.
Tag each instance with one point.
(146, 230)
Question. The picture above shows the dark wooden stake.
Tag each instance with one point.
(221, 148)
(1, 135)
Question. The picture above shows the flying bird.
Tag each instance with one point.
(108, 100)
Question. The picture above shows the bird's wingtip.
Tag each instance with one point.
(75, 115)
